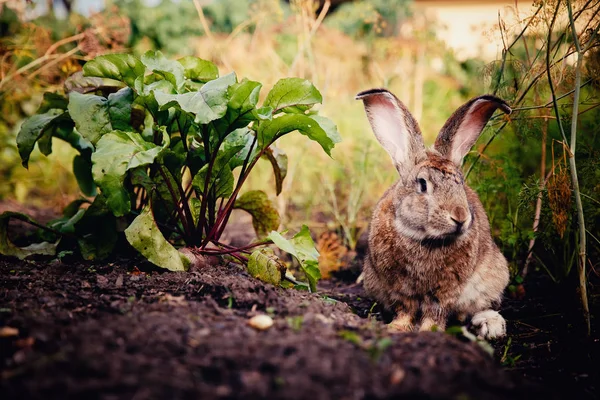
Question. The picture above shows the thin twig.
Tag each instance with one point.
(203, 20)
(580, 217)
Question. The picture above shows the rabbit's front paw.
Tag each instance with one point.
(402, 323)
(489, 324)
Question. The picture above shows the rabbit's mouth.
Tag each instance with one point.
(449, 233)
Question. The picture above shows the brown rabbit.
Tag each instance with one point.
(431, 253)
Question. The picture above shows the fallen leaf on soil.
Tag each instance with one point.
(331, 252)
(266, 266)
(7, 331)
(136, 271)
(261, 322)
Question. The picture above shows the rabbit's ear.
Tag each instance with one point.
(463, 128)
(394, 127)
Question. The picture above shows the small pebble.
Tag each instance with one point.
(7, 331)
(261, 322)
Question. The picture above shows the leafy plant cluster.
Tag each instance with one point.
(164, 150)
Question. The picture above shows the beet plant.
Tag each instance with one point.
(164, 148)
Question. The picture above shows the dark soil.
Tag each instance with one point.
(123, 330)
(109, 332)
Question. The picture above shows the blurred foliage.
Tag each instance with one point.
(376, 17)
(361, 44)
(515, 152)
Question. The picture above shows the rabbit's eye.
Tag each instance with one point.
(422, 185)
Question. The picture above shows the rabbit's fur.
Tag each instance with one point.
(431, 253)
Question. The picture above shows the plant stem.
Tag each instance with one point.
(205, 193)
(538, 203)
(580, 217)
(224, 214)
(230, 250)
(219, 226)
(231, 201)
(179, 210)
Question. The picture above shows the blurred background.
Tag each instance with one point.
(433, 54)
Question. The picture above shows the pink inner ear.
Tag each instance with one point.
(387, 121)
(470, 128)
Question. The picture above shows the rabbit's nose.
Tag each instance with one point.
(459, 215)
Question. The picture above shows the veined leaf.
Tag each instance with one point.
(119, 109)
(122, 67)
(243, 96)
(198, 69)
(302, 247)
(145, 237)
(241, 109)
(292, 92)
(115, 154)
(269, 131)
(329, 127)
(265, 217)
(7, 248)
(245, 138)
(207, 104)
(34, 128)
(172, 70)
(53, 101)
(263, 264)
(279, 161)
(90, 114)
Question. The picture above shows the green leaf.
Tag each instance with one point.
(34, 128)
(67, 223)
(53, 101)
(241, 109)
(269, 131)
(265, 217)
(243, 96)
(90, 114)
(7, 248)
(302, 247)
(119, 109)
(263, 264)
(116, 153)
(245, 138)
(292, 92)
(82, 168)
(145, 237)
(198, 69)
(221, 178)
(65, 131)
(279, 161)
(264, 113)
(207, 104)
(97, 231)
(171, 70)
(122, 67)
(329, 127)
(74, 206)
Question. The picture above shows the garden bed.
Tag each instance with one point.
(121, 330)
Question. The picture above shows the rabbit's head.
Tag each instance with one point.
(430, 198)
